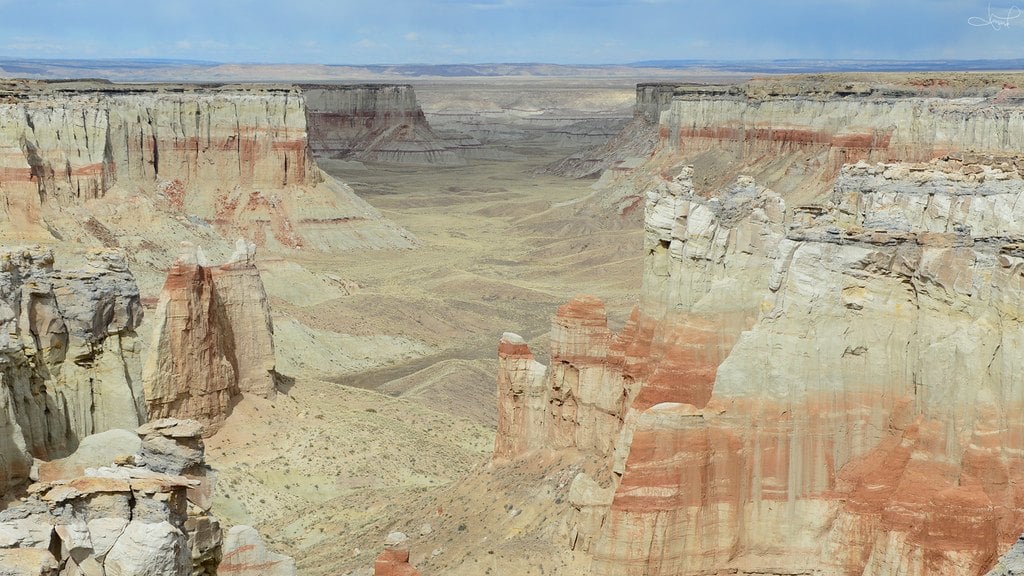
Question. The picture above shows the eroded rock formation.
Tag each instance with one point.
(821, 375)
(245, 554)
(373, 122)
(69, 358)
(630, 144)
(212, 339)
(394, 560)
(118, 518)
(198, 163)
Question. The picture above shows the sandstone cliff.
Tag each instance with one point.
(212, 339)
(820, 376)
(133, 165)
(69, 356)
(373, 122)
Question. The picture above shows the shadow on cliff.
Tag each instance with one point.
(283, 383)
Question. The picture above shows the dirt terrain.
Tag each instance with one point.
(390, 357)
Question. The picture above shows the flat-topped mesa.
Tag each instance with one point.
(793, 134)
(863, 388)
(69, 360)
(653, 98)
(372, 122)
(755, 133)
(195, 159)
(212, 339)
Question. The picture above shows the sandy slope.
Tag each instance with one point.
(392, 354)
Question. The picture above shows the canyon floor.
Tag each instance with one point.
(389, 366)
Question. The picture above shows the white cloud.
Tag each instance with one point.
(367, 44)
(412, 36)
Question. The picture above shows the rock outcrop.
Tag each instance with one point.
(820, 377)
(245, 554)
(129, 165)
(394, 560)
(212, 339)
(375, 123)
(521, 399)
(69, 357)
(119, 518)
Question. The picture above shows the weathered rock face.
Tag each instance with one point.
(579, 402)
(373, 122)
(212, 340)
(521, 399)
(69, 361)
(874, 440)
(117, 519)
(634, 141)
(825, 386)
(197, 162)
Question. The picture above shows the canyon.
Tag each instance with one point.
(758, 328)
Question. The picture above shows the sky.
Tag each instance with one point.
(486, 31)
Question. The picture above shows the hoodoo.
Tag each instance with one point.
(212, 340)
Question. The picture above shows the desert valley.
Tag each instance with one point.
(649, 323)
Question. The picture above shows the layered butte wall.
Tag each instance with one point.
(822, 375)
(375, 123)
(143, 167)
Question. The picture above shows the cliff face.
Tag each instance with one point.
(69, 360)
(212, 340)
(820, 378)
(198, 162)
(373, 122)
(637, 139)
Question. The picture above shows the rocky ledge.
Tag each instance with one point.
(143, 511)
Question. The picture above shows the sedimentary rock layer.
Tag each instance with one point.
(373, 122)
(821, 375)
(131, 505)
(634, 140)
(121, 164)
(69, 358)
(212, 339)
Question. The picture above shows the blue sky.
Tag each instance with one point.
(476, 31)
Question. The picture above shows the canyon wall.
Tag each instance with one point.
(821, 376)
(69, 355)
(375, 123)
(637, 139)
(135, 166)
